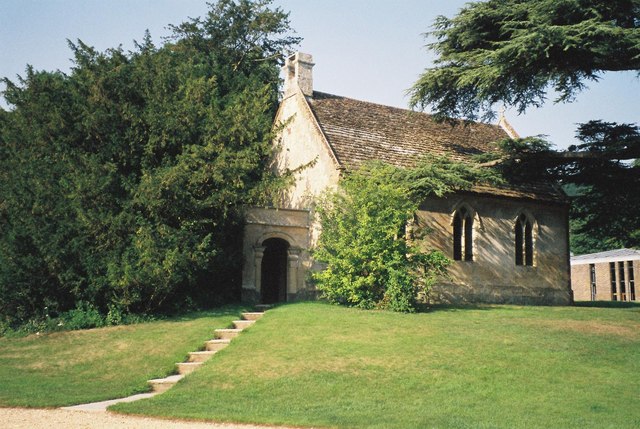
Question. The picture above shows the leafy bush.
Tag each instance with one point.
(370, 261)
(84, 316)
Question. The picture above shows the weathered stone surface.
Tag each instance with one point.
(243, 324)
(216, 345)
(252, 316)
(290, 225)
(226, 334)
(325, 134)
(493, 275)
(163, 384)
(201, 356)
(188, 367)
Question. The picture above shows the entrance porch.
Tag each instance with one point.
(276, 256)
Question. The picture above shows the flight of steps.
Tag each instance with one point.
(222, 338)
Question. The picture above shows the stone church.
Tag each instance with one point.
(508, 244)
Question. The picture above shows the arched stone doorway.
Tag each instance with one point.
(273, 269)
(285, 234)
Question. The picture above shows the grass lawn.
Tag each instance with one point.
(317, 365)
(75, 367)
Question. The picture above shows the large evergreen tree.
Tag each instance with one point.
(122, 181)
(512, 52)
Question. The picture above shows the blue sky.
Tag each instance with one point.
(371, 50)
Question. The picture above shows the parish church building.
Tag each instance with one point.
(508, 243)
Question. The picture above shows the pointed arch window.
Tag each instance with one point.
(524, 240)
(463, 235)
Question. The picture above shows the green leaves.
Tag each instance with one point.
(439, 176)
(605, 208)
(371, 260)
(512, 52)
(599, 176)
(361, 226)
(123, 182)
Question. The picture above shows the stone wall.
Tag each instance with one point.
(302, 144)
(493, 275)
(292, 226)
(302, 147)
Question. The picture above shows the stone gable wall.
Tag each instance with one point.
(302, 144)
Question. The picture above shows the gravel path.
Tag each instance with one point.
(29, 418)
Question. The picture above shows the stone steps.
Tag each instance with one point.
(222, 339)
(187, 367)
(242, 324)
(163, 384)
(252, 315)
(226, 334)
(216, 345)
(202, 356)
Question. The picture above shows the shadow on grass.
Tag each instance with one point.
(225, 310)
(431, 308)
(607, 304)
(420, 308)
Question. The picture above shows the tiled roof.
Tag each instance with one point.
(608, 256)
(359, 131)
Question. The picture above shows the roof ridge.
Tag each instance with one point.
(402, 109)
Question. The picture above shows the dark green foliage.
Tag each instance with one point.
(439, 176)
(370, 260)
(605, 208)
(512, 51)
(122, 182)
(602, 186)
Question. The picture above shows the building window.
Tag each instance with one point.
(632, 286)
(612, 271)
(621, 282)
(524, 240)
(592, 272)
(463, 235)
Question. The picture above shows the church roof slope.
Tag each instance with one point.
(358, 131)
(361, 131)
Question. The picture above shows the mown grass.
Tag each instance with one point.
(485, 367)
(74, 367)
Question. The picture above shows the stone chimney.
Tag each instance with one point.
(298, 74)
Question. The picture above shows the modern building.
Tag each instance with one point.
(606, 276)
